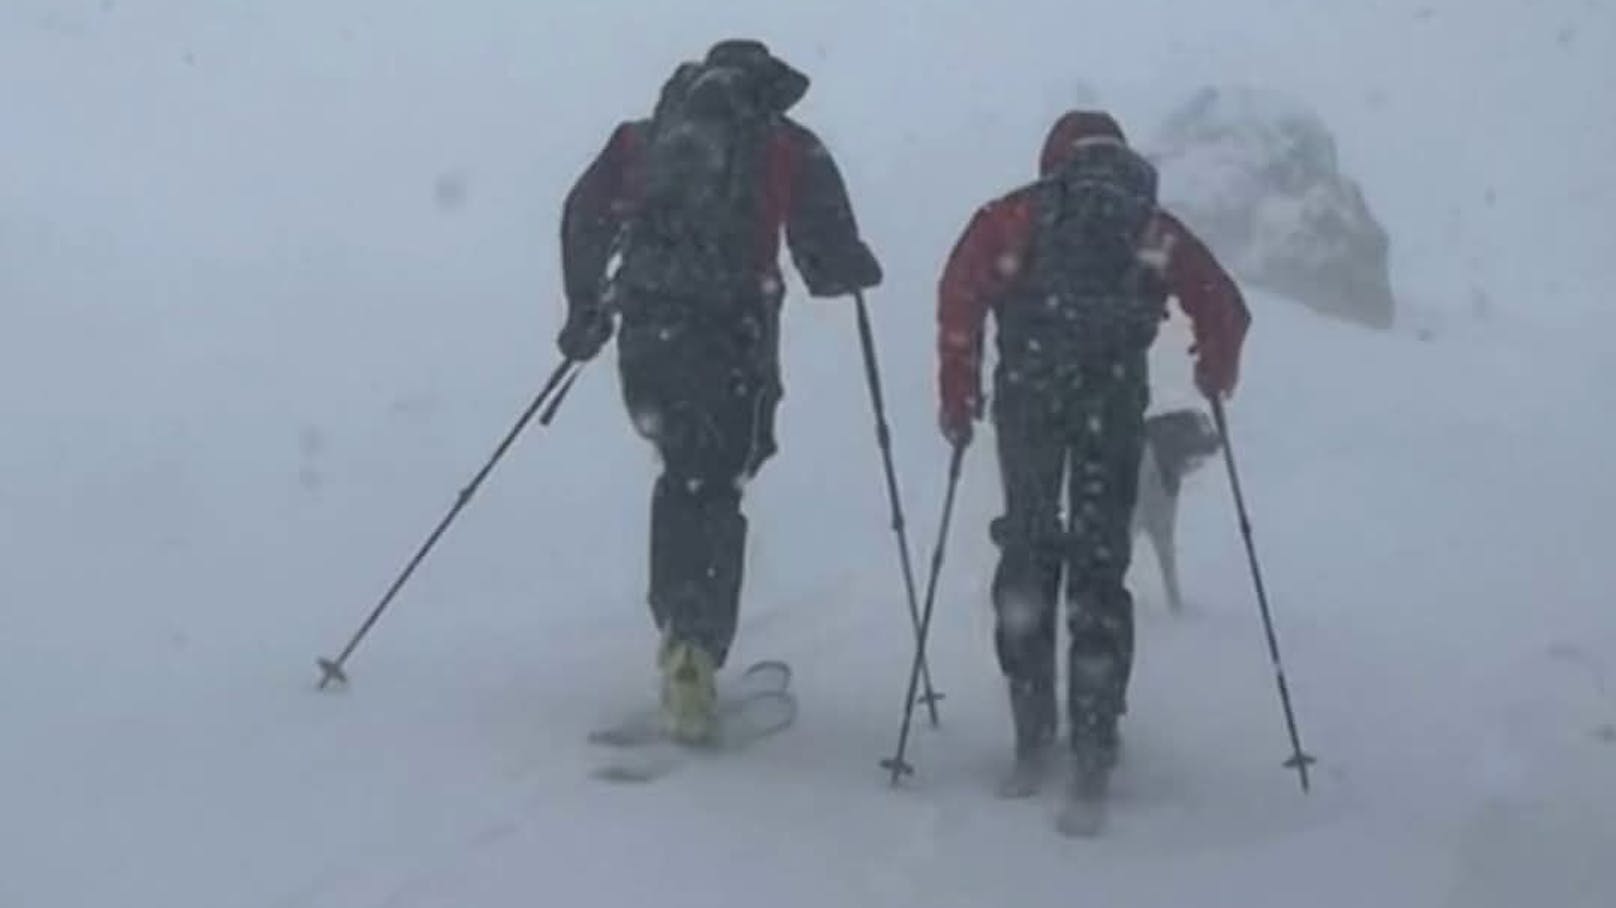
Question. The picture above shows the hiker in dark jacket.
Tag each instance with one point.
(1077, 269)
(692, 203)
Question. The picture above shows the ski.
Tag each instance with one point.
(755, 705)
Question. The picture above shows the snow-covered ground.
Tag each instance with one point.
(275, 277)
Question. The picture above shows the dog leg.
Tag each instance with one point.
(1163, 538)
(1152, 519)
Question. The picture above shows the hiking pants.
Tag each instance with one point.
(1085, 432)
(703, 390)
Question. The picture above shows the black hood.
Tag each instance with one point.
(780, 86)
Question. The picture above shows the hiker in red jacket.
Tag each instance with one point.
(1076, 269)
(692, 202)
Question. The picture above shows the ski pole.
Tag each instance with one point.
(883, 437)
(896, 763)
(332, 669)
(1299, 760)
(549, 413)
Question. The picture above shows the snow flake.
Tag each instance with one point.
(1019, 614)
(647, 421)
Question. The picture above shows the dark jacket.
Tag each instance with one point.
(803, 193)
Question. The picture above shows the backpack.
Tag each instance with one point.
(1086, 292)
(693, 233)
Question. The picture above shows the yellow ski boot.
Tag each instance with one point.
(689, 693)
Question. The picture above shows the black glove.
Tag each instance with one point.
(851, 269)
(860, 269)
(586, 331)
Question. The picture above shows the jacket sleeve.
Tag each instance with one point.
(820, 227)
(592, 217)
(981, 269)
(1211, 299)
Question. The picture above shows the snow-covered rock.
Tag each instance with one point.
(1255, 174)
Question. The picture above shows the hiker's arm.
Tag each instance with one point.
(982, 267)
(820, 227)
(591, 219)
(1211, 299)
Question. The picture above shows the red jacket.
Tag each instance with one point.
(803, 193)
(984, 266)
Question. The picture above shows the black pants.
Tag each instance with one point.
(1086, 432)
(704, 391)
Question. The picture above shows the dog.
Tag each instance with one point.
(1177, 443)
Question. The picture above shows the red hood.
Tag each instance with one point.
(1075, 126)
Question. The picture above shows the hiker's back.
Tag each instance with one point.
(1086, 295)
(694, 232)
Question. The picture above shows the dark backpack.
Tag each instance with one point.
(693, 234)
(1086, 292)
